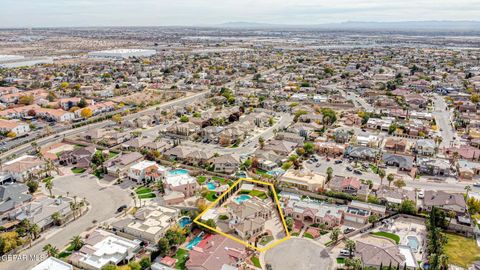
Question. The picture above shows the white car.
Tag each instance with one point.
(344, 252)
(476, 184)
(421, 194)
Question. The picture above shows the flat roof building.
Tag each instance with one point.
(122, 53)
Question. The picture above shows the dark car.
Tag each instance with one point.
(349, 169)
(357, 172)
(338, 161)
(121, 208)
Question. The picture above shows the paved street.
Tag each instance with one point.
(104, 202)
(425, 184)
(443, 118)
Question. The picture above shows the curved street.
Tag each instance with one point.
(103, 201)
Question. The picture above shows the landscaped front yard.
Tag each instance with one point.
(182, 257)
(255, 193)
(392, 236)
(461, 251)
(211, 196)
(265, 240)
(145, 193)
(256, 261)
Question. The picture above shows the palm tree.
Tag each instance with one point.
(261, 141)
(76, 242)
(335, 234)
(381, 174)
(390, 178)
(49, 186)
(350, 245)
(34, 231)
(51, 250)
(329, 173)
(468, 189)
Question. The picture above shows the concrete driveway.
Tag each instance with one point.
(104, 202)
(299, 254)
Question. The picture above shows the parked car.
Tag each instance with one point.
(344, 252)
(122, 208)
(476, 184)
(421, 194)
(339, 161)
(349, 169)
(357, 172)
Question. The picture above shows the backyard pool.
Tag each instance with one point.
(413, 242)
(184, 221)
(195, 241)
(178, 172)
(211, 186)
(242, 198)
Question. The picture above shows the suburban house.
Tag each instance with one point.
(350, 185)
(15, 126)
(393, 195)
(79, 157)
(444, 200)
(425, 147)
(216, 252)
(149, 223)
(403, 163)
(380, 254)
(468, 169)
(227, 163)
(361, 153)
(314, 212)
(248, 218)
(12, 196)
(120, 164)
(280, 147)
(304, 180)
(25, 167)
(52, 263)
(396, 145)
(146, 171)
(359, 212)
(435, 167)
(101, 248)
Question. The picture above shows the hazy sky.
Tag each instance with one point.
(31, 13)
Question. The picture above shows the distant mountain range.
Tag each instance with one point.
(463, 26)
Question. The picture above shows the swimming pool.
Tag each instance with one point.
(195, 241)
(211, 186)
(242, 198)
(178, 172)
(184, 221)
(413, 242)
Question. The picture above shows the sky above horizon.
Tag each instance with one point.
(57, 13)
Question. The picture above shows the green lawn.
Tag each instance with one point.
(112, 154)
(265, 240)
(143, 190)
(256, 261)
(78, 170)
(254, 193)
(182, 257)
(211, 196)
(461, 251)
(307, 235)
(392, 236)
(294, 234)
(201, 179)
(340, 260)
(219, 179)
(147, 195)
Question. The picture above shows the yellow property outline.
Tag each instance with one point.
(196, 220)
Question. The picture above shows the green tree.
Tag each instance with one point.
(381, 174)
(49, 186)
(163, 246)
(329, 173)
(407, 206)
(145, 263)
(184, 119)
(76, 242)
(335, 234)
(32, 186)
(350, 246)
(390, 178)
(309, 148)
(109, 266)
(399, 183)
(134, 265)
(261, 141)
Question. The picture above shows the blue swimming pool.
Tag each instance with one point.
(178, 172)
(242, 198)
(195, 241)
(413, 243)
(184, 221)
(211, 186)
